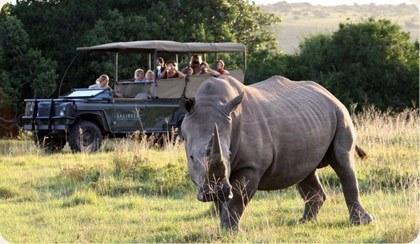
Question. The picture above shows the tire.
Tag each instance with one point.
(50, 143)
(85, 136)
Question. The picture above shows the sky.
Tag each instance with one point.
(321, 2)
(336, 2)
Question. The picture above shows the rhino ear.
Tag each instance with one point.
(232, 104)
(188, 104)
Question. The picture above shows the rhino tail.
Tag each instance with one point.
(362, 154)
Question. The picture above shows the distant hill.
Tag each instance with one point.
(300, 20)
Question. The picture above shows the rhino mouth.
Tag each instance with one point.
(220, 192)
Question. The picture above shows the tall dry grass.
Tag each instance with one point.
(136, 191)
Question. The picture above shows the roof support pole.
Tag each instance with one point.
(155, 57)
(116, 67)
(245, 64)
(176, 58)
(154, 87)
(150, 60)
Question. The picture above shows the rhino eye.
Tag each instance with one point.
(191, 157)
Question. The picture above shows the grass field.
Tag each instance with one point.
(130, 192)
(302, 20)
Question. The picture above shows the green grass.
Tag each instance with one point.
(130, 192)
(299, 22)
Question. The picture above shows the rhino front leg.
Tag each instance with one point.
(310, 189)
(244, 186)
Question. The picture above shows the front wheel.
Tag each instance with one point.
(85, 136)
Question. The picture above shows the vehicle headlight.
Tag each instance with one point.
(62, 112)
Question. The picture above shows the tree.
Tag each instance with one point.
(24, 72)
(57, 27)
(373, 62)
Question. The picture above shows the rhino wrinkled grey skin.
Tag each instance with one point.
(268, 136)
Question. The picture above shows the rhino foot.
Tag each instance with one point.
(230, 228)
(304, 220)
(361, 217)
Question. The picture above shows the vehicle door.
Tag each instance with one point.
(127, 115)
(161, 115)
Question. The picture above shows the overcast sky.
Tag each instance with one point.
(335, 2)
(322, 2)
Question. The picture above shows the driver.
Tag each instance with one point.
(101, 83)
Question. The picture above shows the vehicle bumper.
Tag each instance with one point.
(55, 123)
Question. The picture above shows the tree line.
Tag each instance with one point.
(369, 63)
(373, 62)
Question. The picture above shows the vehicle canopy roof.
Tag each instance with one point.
(167, 46)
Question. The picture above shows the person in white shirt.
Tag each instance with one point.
(101, 83)
(139, 75)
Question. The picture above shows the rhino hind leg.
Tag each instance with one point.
(310, 189)
(343, 166)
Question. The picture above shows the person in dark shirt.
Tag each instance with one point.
(171, 71)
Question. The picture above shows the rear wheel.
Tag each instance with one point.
(85, 136)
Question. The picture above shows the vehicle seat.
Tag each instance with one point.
(129, 89)
(194, 84)
(170, 88)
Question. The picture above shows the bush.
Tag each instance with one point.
(373, 62)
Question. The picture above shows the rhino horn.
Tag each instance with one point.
(216, 149)
(217, 167)
(232, 104)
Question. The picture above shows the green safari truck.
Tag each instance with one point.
(84, 117)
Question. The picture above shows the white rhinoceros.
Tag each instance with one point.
(267, 136)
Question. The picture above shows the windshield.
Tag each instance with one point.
(84, 93)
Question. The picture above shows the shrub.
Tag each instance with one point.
(372, 62)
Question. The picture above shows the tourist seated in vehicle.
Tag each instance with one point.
(171, 71)
(205, 69)
(101, 83)
(139, 75)
(194, 64)
(188, 70)
(221, 68)
(160, 67)
(147, 92)
(150, 77)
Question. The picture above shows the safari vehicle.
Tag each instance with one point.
(84, 117)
